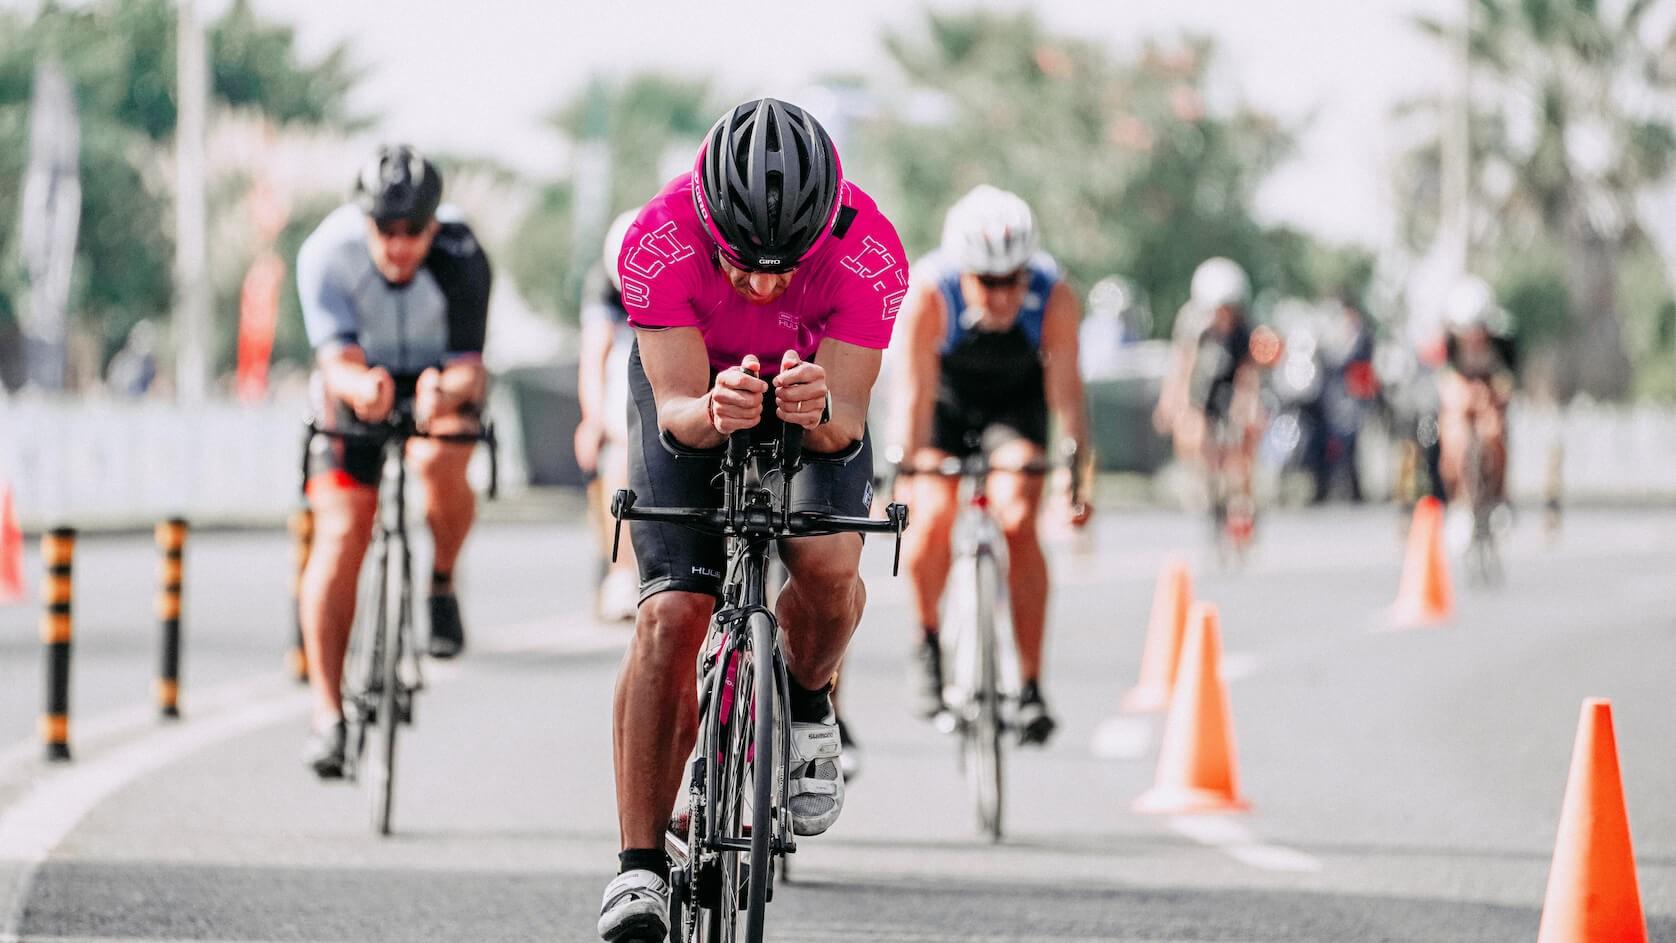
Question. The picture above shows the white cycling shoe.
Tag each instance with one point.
(635, 909)
(817, 776)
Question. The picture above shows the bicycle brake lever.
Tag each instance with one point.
(620, 503)
(898, 513)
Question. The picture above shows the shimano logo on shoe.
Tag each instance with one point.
(702, 571)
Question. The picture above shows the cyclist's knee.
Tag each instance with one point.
(825, 564)
(670, 626)
(343, 519)
(439, 464)
(1017, 519)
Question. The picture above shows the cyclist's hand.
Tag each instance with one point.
(736, 397)
(376, 396)
(800, 391)
(589, 435)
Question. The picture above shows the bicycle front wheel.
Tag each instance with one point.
(397, 611)
(764, 772)
(983, 729)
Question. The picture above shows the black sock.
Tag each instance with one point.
(441, 580)
(1029, 691)
(810, 707)
(643, 859)
(930, 634)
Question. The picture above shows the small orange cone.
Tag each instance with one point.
(1164, 632)
(1424, 597)
(1196, 766)
(11, 550)
(1592, 891)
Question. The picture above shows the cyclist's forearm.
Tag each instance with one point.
(461, 383)
(687, 418)
(343, 371)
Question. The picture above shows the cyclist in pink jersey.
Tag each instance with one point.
(763, 261)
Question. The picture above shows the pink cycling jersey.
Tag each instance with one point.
(848, 290)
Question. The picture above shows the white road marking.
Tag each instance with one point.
(1238, 842)
(24, 757)
(1122, 738)
(33, 826)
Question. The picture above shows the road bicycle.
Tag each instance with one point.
(383, 672)
(736, 819)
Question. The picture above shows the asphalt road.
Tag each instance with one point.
(1405, 786)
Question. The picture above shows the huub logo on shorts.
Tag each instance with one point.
(702, 571)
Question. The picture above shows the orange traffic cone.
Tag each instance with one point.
(1424, 597)
(1164, 632)
(1592, 891)
(1196, 766)
(11, 550)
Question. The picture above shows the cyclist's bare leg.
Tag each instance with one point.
(450, 504)
(326, 598)
(820, 605)
(926, 551)
(1015, 500)
(655, 712)
(1454, 425)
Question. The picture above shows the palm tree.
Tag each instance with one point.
(1571, 124)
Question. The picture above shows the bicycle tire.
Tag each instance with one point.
(762, 773)
(983, 734)
(366, 640)
(382, 784)
(721, 923)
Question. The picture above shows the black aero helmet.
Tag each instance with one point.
(767, 184)
(399, 183)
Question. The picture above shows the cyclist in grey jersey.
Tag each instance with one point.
(395, 300)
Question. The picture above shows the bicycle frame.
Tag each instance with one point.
(387, 671)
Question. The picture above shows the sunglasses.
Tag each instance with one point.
(739, 266)
(1009, 280)
(400, 227)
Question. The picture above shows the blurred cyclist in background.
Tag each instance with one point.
(395, 297)
(988, 349)
(602, 434)
(1209, 401)
(1475, 387)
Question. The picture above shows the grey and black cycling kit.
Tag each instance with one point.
(441, 315)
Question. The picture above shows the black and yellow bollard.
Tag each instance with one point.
(302, 535)
(171, 540)
(58, 547)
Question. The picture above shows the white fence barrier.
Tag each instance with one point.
(103, 463)
(113, 463)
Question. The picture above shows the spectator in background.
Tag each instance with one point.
(134, 368)
(602, 394)
(1346, 360)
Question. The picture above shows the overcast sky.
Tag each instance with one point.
(480, 76)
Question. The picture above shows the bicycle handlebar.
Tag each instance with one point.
(402, 425)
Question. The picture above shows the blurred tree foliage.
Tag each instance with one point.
(1128, 165)
(1566, 134)
(120, 56)
(643, 122)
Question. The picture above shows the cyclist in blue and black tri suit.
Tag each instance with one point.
(395, 297)
(987, 349)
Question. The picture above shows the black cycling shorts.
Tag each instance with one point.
(350, 463)
(962, 430)
(355, 463)
(675, 558)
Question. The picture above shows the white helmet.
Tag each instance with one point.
(990, 231)
(614, 246)
(1470, 303)
(1218, 282)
